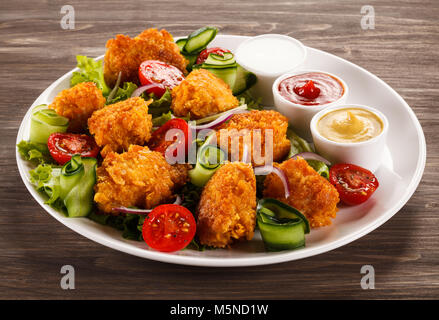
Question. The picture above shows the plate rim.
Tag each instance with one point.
(128, 248)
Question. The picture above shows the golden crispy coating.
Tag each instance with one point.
(125, 54)
(233, 133)
(227, 208)
(78, 103)
(119, 125)
(202, 94)
(312, 194)
(139, 177)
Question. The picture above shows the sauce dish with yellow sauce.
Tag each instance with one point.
(350, 134)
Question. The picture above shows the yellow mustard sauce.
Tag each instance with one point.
(350, 125)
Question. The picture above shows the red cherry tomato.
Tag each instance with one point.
(168, 228)
(205, 53)
(354, 184)
(308, 90)
(157, 72)
(63, 146)
(158, 139)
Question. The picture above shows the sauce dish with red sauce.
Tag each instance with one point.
(300, 95)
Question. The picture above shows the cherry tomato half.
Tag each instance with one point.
(205, 53)
(169, 227)
(354, 184)
(157, 72)
(158, 139)
(63, 146)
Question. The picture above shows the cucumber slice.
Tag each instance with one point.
(181, 43)
(217, 60)
(228, 74)
(281, 236)
(198, 40)
(281, 211)
(226, 56)
(244, 80)
(192, 58)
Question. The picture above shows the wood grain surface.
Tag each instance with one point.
(403, 50)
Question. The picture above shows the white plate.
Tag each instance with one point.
(399, 176)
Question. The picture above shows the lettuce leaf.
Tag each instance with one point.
(123, 93)
(45, 178)
(251, 102)
(159, 121)
(130, 225)
(159, 106)
(90, 70)
(34, 152)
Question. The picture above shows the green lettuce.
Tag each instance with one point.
(251, 102)
(159, 106)
(299, 145)
(130, 225)
(90, 70)
(123, 93)
(34, 152)
(45, 178)
(159, 121)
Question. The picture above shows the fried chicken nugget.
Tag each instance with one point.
(139, 177)
(125, 54)
(119, 125)
(312, 194)
(227, 208)
(78, 103)
(250, 129)
(202, 94)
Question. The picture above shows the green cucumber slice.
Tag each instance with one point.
(228, 74)
(199, 39)
(181, 43)
(244, 80)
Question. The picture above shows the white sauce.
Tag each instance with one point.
(270, 54)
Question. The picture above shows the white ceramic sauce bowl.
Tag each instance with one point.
(367, 154)
(299, 116)
(271, 58)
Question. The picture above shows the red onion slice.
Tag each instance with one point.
(264, 170)
(178, 201)
(311, 156)
(142, 89)
(220, 120)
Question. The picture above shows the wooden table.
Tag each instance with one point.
(403, 50)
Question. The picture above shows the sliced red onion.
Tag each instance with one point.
(178, 201)
(264, 170)
(220, 120)
(311, 156)
(142, 89)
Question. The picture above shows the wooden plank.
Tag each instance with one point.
(34, 51)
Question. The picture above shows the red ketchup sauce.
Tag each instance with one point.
(312, 88)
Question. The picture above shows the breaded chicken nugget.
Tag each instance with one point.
(312, 194)
(250, 128)
(202, 94)
(125, 54)
(227, 208)
(77, 104)
(119, 125)
(139, 177)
